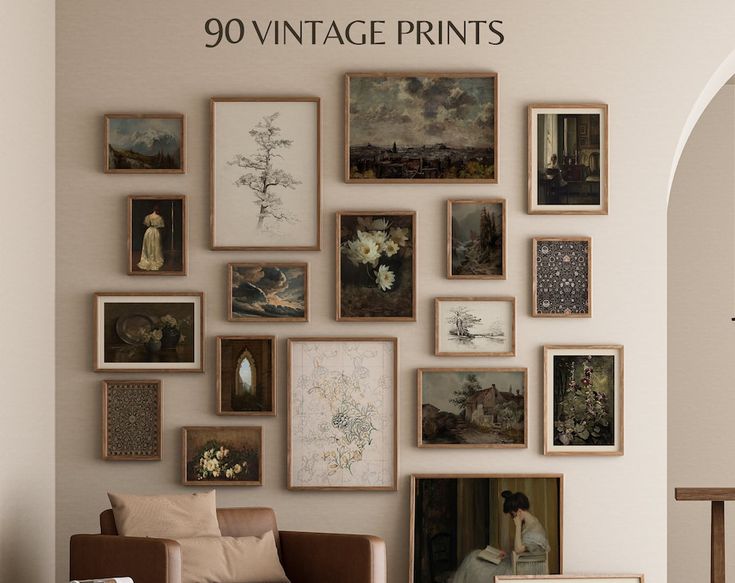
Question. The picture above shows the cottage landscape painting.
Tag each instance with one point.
(438, 127)
(477, 407)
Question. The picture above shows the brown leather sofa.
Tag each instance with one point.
(307, 557)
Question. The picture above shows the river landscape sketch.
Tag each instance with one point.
(429, 127)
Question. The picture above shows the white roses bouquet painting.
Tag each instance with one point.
(223, 455)
(376, 266)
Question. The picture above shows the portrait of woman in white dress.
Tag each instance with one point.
(530, 540)
(151, 255)
(157, 235)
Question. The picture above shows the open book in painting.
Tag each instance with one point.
(491, 555)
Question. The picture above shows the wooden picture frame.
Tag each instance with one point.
(555, 300)
(584, 172)
(579, 355)
(266, 353)
(366, 290)
(262, 281)
(494, 332)
(372, 436)
(121, 420)
(413, 171)
(147, 157)
(487, 238)
(121, 336)
(289, 178)
(451, 439)
(415, 478)
(178, 238)
(207, 439)
(573, 578)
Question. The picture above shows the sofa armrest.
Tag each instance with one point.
(312, 557)
(145, 560)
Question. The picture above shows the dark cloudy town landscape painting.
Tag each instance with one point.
(466, 407)
(275, 291)
(150, 143)
(429, 127)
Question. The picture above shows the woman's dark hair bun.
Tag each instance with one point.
(514, 501)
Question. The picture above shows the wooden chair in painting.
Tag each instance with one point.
(530, 563)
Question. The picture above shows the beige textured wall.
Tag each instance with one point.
(701, 335)
(649, 64)
(27, 292)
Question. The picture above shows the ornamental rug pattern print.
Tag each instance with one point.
(342, 415)
(562, 277)
(132, 419)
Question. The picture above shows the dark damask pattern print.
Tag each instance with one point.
(132, 419)
(562, 277)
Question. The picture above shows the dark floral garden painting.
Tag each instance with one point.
(584, 400)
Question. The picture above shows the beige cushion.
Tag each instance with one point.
(227, 559)
(175, 516)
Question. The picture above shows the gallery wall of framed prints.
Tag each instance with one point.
(364, 299)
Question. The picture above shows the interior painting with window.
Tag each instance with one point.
(567, 165)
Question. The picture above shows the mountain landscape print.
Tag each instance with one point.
(268, 292)
(148, 143)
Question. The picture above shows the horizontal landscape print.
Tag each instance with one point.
(472, 407)
(144, 143)
(268, 291)
(426, 127)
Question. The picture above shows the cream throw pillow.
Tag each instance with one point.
(176, 516)
(227, 559)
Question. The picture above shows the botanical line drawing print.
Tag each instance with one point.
(341, 414)
(264, 177)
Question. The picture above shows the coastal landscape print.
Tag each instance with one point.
(475, 326)
(430, 127)
(472, 407)
(376, 264)
(476, 246)
(151, 143)
(274, 291)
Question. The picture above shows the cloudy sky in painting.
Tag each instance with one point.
(438, 386)
(268, 291)
(145, 135)
(414, 111)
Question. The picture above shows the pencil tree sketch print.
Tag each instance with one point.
(461, 321)
(475, 325)
(265, 180)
